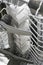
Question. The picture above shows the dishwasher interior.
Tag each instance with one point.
(21, 31)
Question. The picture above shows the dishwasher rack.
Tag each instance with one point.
(36, 28)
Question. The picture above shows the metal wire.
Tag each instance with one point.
(39, 7)
(2, 10)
